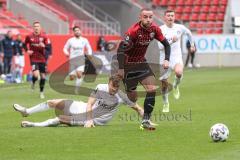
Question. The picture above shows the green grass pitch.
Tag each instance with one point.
(211, 95)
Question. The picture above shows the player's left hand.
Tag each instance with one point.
(165, 64)
(41, 44)
(89, 124)
(193, 49)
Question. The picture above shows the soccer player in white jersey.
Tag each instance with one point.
(75, 50)
(173, 33)
(101, 106)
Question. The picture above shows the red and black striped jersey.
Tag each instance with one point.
(140, 38)
(32, 42)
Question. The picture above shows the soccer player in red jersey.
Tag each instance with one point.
(36, 43)
(133, 67)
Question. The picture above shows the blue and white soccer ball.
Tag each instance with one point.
(219, 132)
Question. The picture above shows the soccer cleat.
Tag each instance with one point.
(165, 107)
(42, 95)
(176, 92)
(147, 125)
(25, 124)
(190, 65)
(20, 109)
(32, 86)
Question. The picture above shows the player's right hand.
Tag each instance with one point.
(121, 73)
(89, 124)
(174, 39)
(30, 52)
(165, 64)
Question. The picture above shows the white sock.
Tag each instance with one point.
(165, 98)
(177, 81)
(79, 82)
(38, 108)
(49, 122)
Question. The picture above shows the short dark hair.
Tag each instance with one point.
(145, 9)
(168, 11)
(75, 27)
(36, 22)
(115, 79)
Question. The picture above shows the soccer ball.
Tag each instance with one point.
(219, 132)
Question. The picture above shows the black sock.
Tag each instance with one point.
(41, 84)
(34, 79)
(148, 105)
(192, 58)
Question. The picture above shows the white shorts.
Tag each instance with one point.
(166, 74)
(74, 107)
(76, 65)
(19, 60)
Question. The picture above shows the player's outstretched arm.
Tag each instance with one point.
(89, 123)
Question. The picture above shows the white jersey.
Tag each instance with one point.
(176, 30)
(104, 108)
(76, 46)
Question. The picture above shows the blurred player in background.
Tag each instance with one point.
(173, 33)
(102, 104)
(48, 53)
(132, 63)
(191, 54)
(36, 43)
(75, 50)
(19, 57)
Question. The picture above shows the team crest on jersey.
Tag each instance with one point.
(40, 39)
(152, 34)
(178, 32)
(32, 39)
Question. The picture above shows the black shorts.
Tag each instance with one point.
(38, 66)
(134, 73)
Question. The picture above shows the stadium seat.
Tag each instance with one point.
(222, 9)
(211, 17)
(209, 31)
(194, 17)
(187, 9)
(206, 2)
(200, 25)
(215, 2)
(219, 24)
(163, 3)
(179, 9)
(180, 2)
(198, 2)
(210, 25)
(156, 2)
(171, 8)
(172, 2)
(205, 9)
(224, 2)
(193, 25)
(220, 17)
(200, 31)
(196, 9)
(203, 17)
(218, 31)
(178, 16)
(213, 9)
(185, 17)
(189, 2)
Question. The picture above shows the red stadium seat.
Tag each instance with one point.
(171, 8)
(218, 31)
(203, 17)
(194, 17)
(222, 9)
(205, 9)
(211, 17)
(206, 2)
(180, 2)
(187, 9)
(210, 25)
(178, 16)
(196, 9)
(200, 31)
(200, 25)
(156, 2)
(163, 3)
(193, 25)
(219, 24)
(224, 2)
(172, 2)
(220, 17)
(215, 2)
(179, 9)
(213, 9)
(209, 31)
(185, 17)
(189, 2)
(198, 2)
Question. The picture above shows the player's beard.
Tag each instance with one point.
(146, 25)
